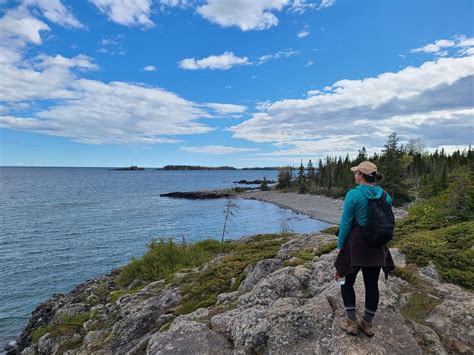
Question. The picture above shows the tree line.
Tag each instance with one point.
(409, 171)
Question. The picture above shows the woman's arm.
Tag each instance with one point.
(346, 219)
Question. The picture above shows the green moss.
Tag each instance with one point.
(330, 230)
(304, 254)
(418, 307)
(201, 289)
(326, 248)
(38, 333)
(116, 294)
(165, 326)
(65, 326)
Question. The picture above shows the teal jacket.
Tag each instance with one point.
(355, 207)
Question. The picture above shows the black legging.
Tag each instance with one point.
(371, 278)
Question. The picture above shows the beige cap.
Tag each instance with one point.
(366, 167)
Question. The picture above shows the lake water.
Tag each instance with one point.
(63, 226)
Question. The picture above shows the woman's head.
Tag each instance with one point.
(366, 172)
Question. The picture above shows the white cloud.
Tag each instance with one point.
(44, 77)
(280, 54)
(303, 33)
(309, 63)
(221, 62)
(116, 113)
(126, 12)
(440, 46)
(433, 101)
(300, 6)
(149, 68)
(183, 4)
(245, 14)
(434, 47)
(225, 109)
(55, 12)
(217, 149)
(88, 111)
(326, 3)
(18, 28)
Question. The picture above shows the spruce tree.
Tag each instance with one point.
(394, 171)
(310, 174)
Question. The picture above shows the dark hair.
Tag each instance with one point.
(372, 177)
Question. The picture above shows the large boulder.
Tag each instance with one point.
(259, 271)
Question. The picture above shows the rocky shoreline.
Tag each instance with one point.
(287, 302)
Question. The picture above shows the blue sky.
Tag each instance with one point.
(230, 82)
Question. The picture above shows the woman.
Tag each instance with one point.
(356, 253)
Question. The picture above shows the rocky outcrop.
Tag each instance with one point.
(276, 309)
(207, 194)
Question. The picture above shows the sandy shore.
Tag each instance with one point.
(319, 207)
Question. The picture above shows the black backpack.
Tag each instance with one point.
(380, 221)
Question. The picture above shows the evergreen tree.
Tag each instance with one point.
(393, 169)
(285, 176)
(310, 173)
(362, 156)
(301, 179)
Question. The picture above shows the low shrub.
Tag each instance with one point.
(450, 249)
(64, 326)
(201, 289)
(325, 248)
(165, 257)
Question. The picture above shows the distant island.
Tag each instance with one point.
(199, 167)
(129, 168)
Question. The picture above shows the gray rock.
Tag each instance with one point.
(140, 317)
(429, 273)
(247, 328)
(225, 298)
(322, 274)
(428, 339)
(304, 241)
(274, 318)
(398, 258)
(454, 320)
(255, 274)
(92, 337)
(188, 337)
(28, 351)
(286, 282)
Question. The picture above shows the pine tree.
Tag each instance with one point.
(362, 156)
(285, 176)
(393, 168)
(310, 174)
(301, 179)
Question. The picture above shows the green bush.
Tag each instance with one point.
(165, 257)
(201, 289)
(451, 249)
(64, 326)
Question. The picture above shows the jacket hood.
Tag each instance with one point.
(371, 192)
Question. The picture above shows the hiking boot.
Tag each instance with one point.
(350, 326)
(366, 327)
